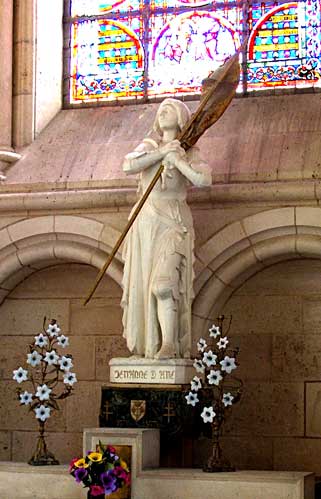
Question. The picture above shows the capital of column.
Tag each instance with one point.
(8, 155)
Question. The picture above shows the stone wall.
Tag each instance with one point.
(95, 336)
(265, 139)
(276, 322)
(247, 257)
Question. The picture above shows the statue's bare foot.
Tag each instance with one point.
(166, 352)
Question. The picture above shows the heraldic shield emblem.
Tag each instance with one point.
(137, 409)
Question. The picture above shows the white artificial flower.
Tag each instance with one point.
(196, 383)
(227, 399)
(25, 398)
(201, 345)
(51, 357)
(209, 358)
(43, 392)
(192, 399)
(63, 341)
(65, 363)
(41, 340)
(214, 331)
(208, 414)
(20, 375)
(53, 330)
(34, 358)
(222, 343)
(228, 364)
(42, 412)
(214, 377)
(199, 366)
(70, 378)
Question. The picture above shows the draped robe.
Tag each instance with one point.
(163, 227)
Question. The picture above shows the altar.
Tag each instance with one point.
(22, 481)
(149, 481)
(193, 484)
(19, 481)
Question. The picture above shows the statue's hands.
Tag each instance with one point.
(172, 160)
(171, 147)
(173, 155)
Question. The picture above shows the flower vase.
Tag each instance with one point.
(42, 457)
(216, 462)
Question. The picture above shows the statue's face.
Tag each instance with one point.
(167, 118)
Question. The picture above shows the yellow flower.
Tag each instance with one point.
(81, 463)
(124, 465)
(95, 456)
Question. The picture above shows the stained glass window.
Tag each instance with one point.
(145, 49)
(284, 46)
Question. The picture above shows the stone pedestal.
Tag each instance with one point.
(150, 393)
(140, 370)
(144, 444)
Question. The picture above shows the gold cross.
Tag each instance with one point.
(106, 410)
(169, 414)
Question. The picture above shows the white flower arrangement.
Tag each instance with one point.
(216, 387)
(49, 373)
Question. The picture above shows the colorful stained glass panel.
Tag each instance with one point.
(85, 7)
(123, 49)
(167, 4)
(108, 60)
(98, 7)
(284, 45)
(186, 48)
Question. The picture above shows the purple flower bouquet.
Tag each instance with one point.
(103, 472)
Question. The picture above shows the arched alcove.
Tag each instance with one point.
(95, 335)
(276, 323)
(32, 244)
(48, 265)
(264, 271)
(245, 247)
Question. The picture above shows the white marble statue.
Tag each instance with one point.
(158, 253)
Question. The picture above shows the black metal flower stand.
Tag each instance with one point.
(216, 462)
(42, 457)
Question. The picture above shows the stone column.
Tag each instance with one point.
(7, 154)
(23, 72)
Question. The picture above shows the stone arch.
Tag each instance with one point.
(28, 245)
(245, 247)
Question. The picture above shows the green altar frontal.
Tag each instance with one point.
(154, 406)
